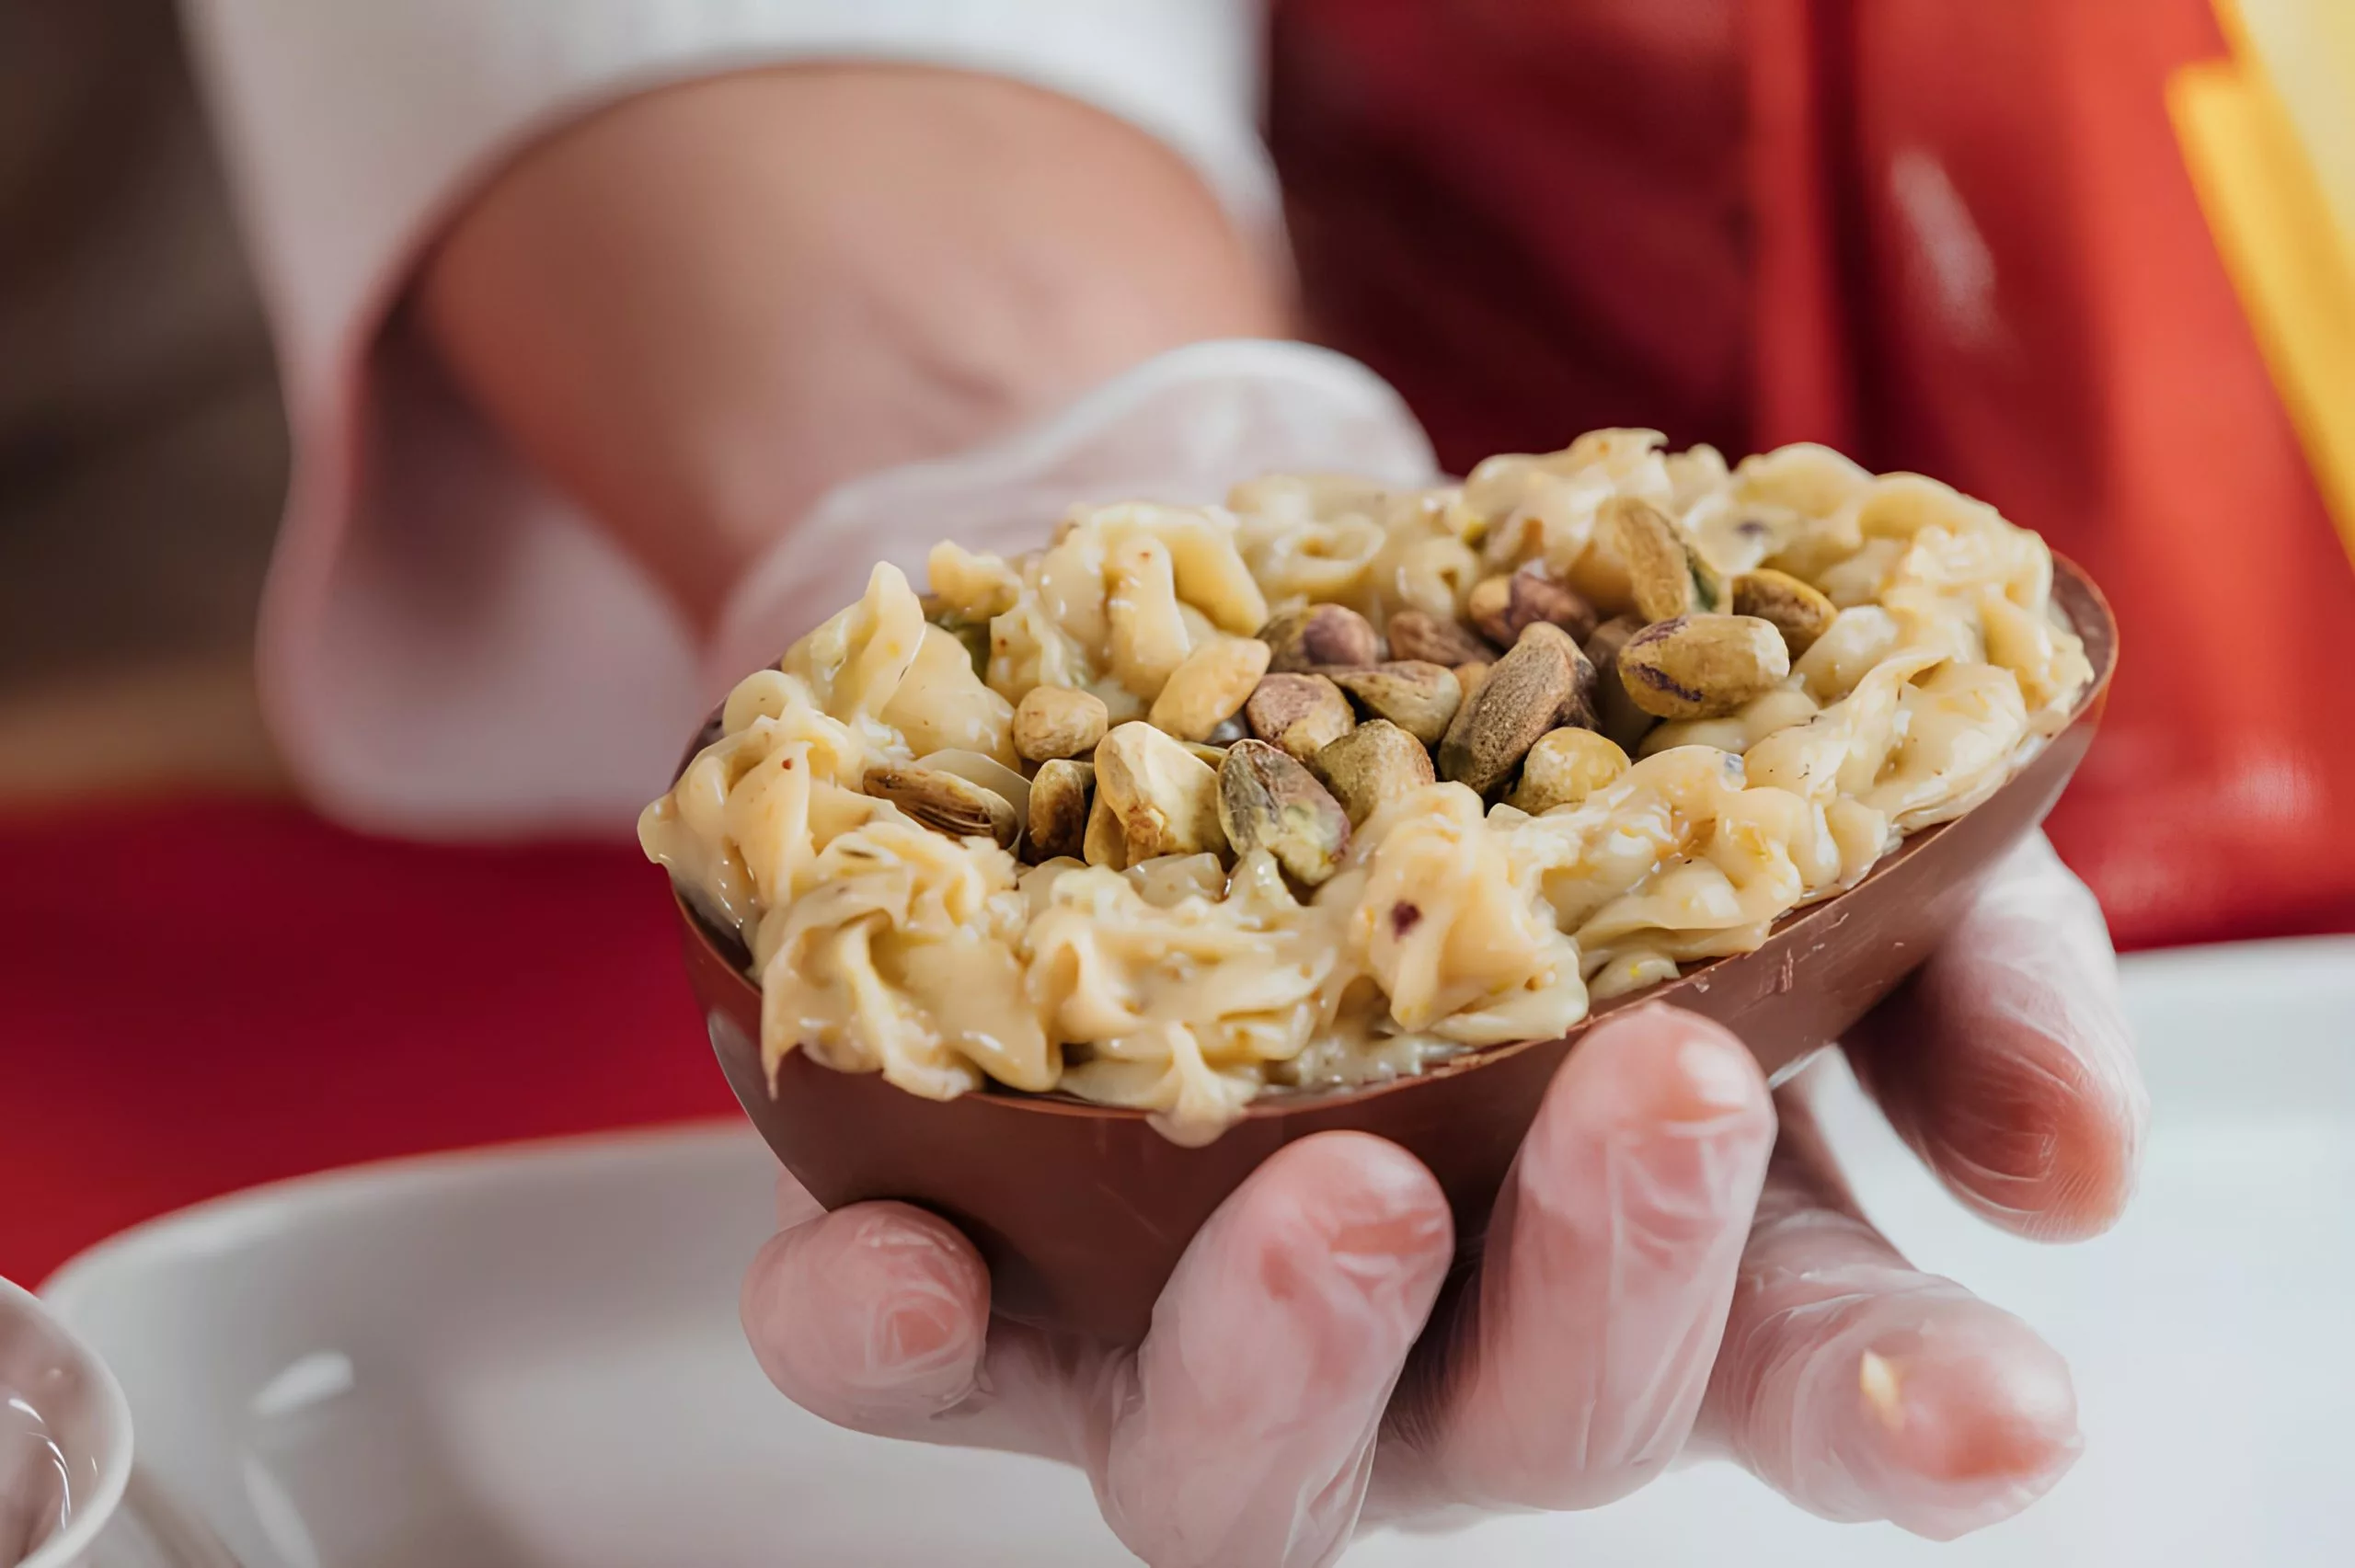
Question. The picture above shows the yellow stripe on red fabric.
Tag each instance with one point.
(2269, 139)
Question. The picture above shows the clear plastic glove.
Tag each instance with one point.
(1663, 1275)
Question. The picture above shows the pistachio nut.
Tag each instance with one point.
(1057, 721)
(1268, 801)
(1060, 795)
(1165, 797)
(1702, 666)
(1544, 682)
(1616, 713)
(1564, 767)
(1415, 634)
(1316, 635)
(1370, 766)
(1795, 609)
(1666, 572)
(1502, 606)
(947, 803)
(1303, 713)
(1418, 698)
(1209, 687)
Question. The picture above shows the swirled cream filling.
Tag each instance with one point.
(1190, 984)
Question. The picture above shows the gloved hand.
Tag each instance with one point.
(1664, 1274)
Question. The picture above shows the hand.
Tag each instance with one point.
(1663, 1274)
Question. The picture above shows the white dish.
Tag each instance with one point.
(154, 1531)
(530, 1357)
(64, 1437)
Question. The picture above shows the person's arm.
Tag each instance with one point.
(700, 310)
(580, 302)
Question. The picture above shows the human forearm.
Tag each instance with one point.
(697, 311)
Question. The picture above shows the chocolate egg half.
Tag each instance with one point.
(1082, 1210)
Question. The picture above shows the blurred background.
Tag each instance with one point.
(143, 449)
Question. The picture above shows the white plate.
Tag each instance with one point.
(532, 1357)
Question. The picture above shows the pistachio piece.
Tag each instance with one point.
(1564, 767)
(1616, 714)
(1794, 608)
(1209, 754)
(1539, 596)
(1370, 766)
(1303, 713)
(1418, 698)
(947, 803)
(1542, 683)
(1104, 843)
(1315, 636)
(1486, 606)
(1667, 574)
(1703, 665)
(1209, 687)
(1268, 801)
(1165, 797)
(1059, 796)
(977, 767)
(1415, 633)
(1502, 606)
(1056, 721)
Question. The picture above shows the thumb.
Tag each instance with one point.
(874, 1316)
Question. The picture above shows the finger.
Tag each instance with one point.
(1243, 1429)
(1862, 1389)
(1240, 1431)
(1579, 1361)
(2006, 1062)
(874, 1316)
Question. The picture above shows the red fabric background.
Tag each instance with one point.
(1956, 238)
(199, 997)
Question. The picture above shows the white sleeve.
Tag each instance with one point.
(353, 125)
(446, 648)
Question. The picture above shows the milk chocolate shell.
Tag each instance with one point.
(1082, 1210)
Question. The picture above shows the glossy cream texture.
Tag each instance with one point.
(1186, 986)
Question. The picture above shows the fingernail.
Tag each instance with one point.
(1716, 1076)
(1974, 1416)
(913, 1333)
(1384, 1178)
(1954, 1437)
(1883, 1386)
(1378, 1206)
